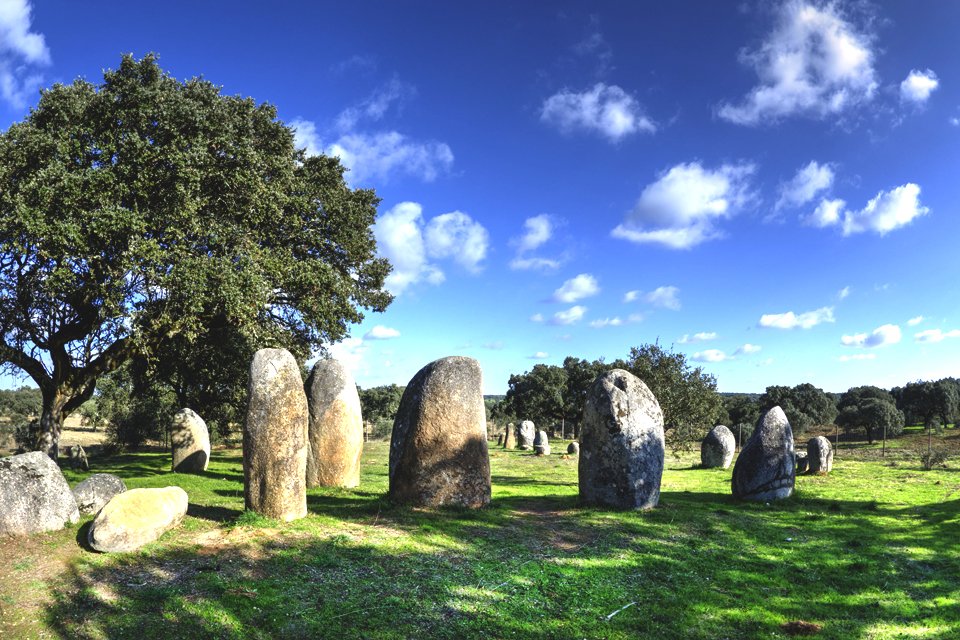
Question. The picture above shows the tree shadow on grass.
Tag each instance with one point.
(213, 513)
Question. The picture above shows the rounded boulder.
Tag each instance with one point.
(717, 448)
(191, 442)
(621, 443)
(526, 433)
(137, 517)
(820, 455)
(541, 444)
(438, 450)
(34, 495)
(96, 491)
(335, 429)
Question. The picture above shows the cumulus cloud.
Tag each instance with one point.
(616, 321)
(381, 332)
(881, 336)
(381, 156)
(791, 320)
(888, 211)
(409, 243)
(604, 109)
(703, 336)
(815, 63)
(570, 316)
(858, 356)
(915, 321)
(809, 181)
(630, 296)
(539, 355)
(458, 236)
(577, 288)
(537, 231)
(665, 297)
(350, 352)
(710, 355)
(306, 136)
(748, 349)
(681, 208)
(936, 335)
(496, 345)
(376, 105)
(918, 86)
(22, 54)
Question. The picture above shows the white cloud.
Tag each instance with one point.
(496, 345)
(918, 86)
(680, 209)
(748, 349)
(630, 296)
(703, 336)
(954, 121)
(805, 185)
(537, 317)
(858, 356)
(936, 335)
(607, 110)
(915, 321)
(349, 352)
(881, 336)
(380, 156)
(22, 53)
(456, 235)
(381, 332)
(539, 355)
(376, 106)
(665, 297)
(710, 355)
(887, 211)
(401, 240)
(577, 288)
(538, 230)
(815, 63)
(791, 320)
(606, 322)
(570, 316)
(305, 136)
(843, 293)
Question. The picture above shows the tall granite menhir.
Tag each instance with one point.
(766, 468)
(438, 451)
(275, 437)
(191, 442)
(335, 434)
(621, 443)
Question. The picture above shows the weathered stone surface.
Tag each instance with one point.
(500, 440)
(137, 517)
(800, 459)
(573, 448)
(510, 437)
(820, 455)
(621, 443)
(717, 448)
(191, 442)
(96, 491)
(541, 444)
(34, 495)
(765, 469)
(526, 433)
(275, 437)
(335, 432)
(438, 451)
(78, 458)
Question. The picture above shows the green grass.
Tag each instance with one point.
(871, 551)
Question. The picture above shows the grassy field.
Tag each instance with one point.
(871, 551)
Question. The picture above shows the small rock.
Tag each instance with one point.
(820, 454)
(573, 448)
(96, 491)
(137, 517)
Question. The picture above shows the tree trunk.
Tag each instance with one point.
(51, 424)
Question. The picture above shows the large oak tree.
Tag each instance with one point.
(145, 210)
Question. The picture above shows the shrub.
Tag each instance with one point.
(933, 458)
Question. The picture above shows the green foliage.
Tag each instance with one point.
(871, 410)
(142, 214)
(135, 410)
(929, 403)
(805, 405)
(933, 458)
(379, 407)
(539, 395)
(743, 413)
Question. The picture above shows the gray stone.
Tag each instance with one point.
(34, 495)
(96, 491)
(438, 451)
(621, 443)
(134, 518)
(573, 449)
(191, 442)
(78, 458)
(500, 440)
(820, 454)
(335, 432)
(541, 444)
(717, 448)
(526, 433)
(510, 437)
(275, 437)
(765, 469)
(801, 462)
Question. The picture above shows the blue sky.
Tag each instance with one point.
(769, 188)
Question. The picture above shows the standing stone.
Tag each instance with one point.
(717, 448)
(96, 491)
(765, 469)
(78, 458)
(573, 449)
(510, 438)
(335, 432)
(820, 455)
(541, 444)
(191, 442)
(275, 437)
(34, 495)
(438, 452)
(500, 440)
(801, 461)
(134, 518)
(526, 433)
(621, 443)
